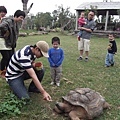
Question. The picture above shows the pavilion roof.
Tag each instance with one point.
(101, 7)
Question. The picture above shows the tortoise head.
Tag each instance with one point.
(63, 107)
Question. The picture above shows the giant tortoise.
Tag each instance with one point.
(81, 104)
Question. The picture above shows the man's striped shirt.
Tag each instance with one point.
(19, 62)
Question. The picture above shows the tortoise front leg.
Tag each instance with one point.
(78, 113)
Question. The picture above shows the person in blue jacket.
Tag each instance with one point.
(56, 57)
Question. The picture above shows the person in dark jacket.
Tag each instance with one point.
(3, 12)
(9, 31)
(111, 51)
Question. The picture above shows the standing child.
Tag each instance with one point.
(112, 49)
(56, 57)
(81, 22)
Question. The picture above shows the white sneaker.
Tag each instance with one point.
(52, 83)
(58, 84)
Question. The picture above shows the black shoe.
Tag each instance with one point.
(86, 59)
(34, 91)
(112, 64)
(107, 66)
(80, 58)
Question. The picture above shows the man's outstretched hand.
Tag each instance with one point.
(46, 96)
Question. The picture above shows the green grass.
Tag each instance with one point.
(90, 74)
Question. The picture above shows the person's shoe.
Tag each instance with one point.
(80, 58)
(58, 84)
(34, 91)
(86, 59)
(107, 66)
(52, 83)
(112, 64)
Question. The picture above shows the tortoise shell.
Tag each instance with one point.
(89, 99)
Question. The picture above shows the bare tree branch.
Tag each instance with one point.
(28, 10)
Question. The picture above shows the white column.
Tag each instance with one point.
(106, 22)
(76, 20)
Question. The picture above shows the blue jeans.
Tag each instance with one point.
(18, 86)
(109, 59)
(80, 33)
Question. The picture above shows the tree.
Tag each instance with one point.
(63, 17)
(25, 2)
(31, 21)
(43, 20)
(55, 15)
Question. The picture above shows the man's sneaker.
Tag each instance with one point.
(80, 58)
(58, 84)
(52, 83)
(86, 59)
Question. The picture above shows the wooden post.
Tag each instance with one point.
(76, 20)
(106, 22)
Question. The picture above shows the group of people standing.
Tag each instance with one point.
(9, 31)
(21, 65)
(86, 27)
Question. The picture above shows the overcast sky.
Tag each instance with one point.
(44, 5)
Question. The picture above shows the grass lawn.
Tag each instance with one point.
(90, 74)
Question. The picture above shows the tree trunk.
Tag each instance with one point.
(24, 23)
(63, 27)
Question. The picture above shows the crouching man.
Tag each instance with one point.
(22, 67)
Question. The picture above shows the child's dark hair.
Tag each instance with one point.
(111, 34)
(19, 13)
(3, 9)
(56, 39)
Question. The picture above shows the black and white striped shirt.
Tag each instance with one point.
(19, 62)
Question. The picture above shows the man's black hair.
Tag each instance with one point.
(34, 46)
(56, 39)
(3, 9)
(93, 11)
(19, 13)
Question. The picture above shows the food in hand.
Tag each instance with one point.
(38, 65)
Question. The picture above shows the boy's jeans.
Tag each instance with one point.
(18, 86)
(109, 59)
